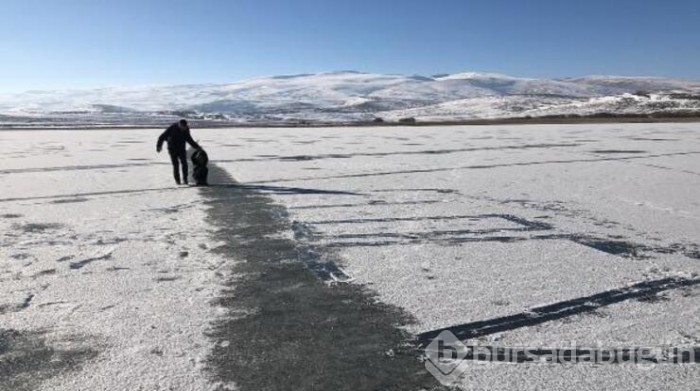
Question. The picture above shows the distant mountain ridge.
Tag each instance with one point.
(348, 96)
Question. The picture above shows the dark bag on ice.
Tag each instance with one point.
(200, 171)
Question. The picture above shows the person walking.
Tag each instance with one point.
(178, 136)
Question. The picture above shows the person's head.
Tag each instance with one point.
(183, 124)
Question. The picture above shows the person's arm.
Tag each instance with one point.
(191, 141)
(161, 139)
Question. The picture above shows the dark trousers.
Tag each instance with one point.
(179, 158)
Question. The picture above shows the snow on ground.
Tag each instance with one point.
(348, 96)
(459, 226)
(113, 260)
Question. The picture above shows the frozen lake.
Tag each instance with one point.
(317, 253)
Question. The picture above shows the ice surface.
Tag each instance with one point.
(456, 225)
(116, 258)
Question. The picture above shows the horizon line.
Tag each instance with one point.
(435, 77)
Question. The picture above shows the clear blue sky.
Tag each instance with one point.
(47, 44)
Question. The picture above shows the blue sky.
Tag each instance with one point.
(91, 43)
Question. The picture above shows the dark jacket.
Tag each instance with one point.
(177, 139)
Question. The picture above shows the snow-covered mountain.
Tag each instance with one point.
(353, 96)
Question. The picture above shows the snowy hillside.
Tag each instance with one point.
(354, 96)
